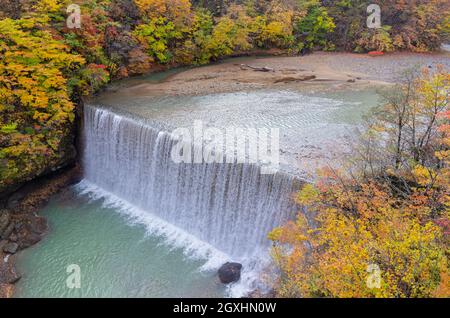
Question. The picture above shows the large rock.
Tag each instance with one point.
(30, 230)
(230, 272)
(10, 247)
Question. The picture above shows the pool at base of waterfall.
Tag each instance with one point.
(116, 252)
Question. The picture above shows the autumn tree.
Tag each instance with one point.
(415, 25)
(176, 11)
(386, 216)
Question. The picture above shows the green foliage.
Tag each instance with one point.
(312, 30)
(8, 128)
(156, 36)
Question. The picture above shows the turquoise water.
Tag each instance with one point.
(123, 254)
(117, 257)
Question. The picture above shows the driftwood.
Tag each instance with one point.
(259, 69)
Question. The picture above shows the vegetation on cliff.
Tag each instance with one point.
(380, 227)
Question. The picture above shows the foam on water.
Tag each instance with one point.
(176, 238)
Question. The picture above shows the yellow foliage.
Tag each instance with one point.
(424, 176)
(378, 234)
(34, 96)
(308, 195)
(332, 258)
(50, 6)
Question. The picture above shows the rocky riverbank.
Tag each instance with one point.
(20, 224)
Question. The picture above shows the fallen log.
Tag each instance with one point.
(258, 69)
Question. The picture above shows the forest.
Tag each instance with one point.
(46, 67)
(388, 205)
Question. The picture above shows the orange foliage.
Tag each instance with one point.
(383, 233)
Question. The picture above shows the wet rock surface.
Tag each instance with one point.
(230, 272)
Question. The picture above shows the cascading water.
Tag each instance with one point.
(190, 218)
(229, 206)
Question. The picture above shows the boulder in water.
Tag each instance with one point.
(230, 272)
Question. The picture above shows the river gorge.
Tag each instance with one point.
(141, 225)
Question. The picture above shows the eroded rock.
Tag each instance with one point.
(30, 230)
(7, 232)
(10, 247)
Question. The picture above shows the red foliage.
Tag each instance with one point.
(375, 53)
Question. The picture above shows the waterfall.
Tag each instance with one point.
(232, 207)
